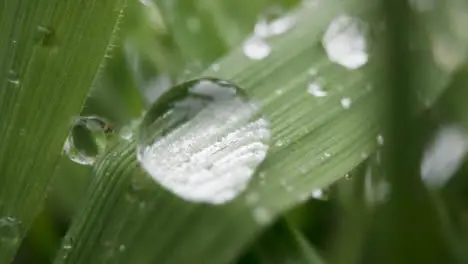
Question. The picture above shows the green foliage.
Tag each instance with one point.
(113, 212)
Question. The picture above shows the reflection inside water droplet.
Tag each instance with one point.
(87, 139)
(444, 156)
(203, 140)
(345, 42)
(256, 48)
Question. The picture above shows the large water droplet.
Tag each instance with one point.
(256, 48)
(203, 140)
(444, 156)
(86, 140)
(273, 22)
(345, 42)
(9, 230)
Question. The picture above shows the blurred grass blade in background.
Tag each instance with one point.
(282, 244)
(324, 114)
(50, 52)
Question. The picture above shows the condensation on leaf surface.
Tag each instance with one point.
(203, 140)
(444, 156)
(273, 22)
(86, 140)
(345, 42)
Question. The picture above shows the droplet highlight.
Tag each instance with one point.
(316, 90)
(203, 140)
(345, 42)
(346, 102)
(444, 156)
(256, 48)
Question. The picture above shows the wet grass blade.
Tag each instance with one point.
(130, 219)
(282, 244)
(50, 52)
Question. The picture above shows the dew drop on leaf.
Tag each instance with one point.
(203, 140)
(345, 42)
(444, 156)
(316, 90)
(261, 215)
(13, 77)
(256, 48)
(320, 194)
(87, 139)
(273, 22)
(346, 102)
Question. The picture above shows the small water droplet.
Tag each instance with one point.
(215, 67)
(444, 156)
(279, 143)
(87, 139)
(261, 215)
(256, 48)
(122, 248)
(316, 90)
(348, 176)
(13, 78)
(380, 139)
(319, 194)
(44, 35)
(67, 246)
(9, 230)
(273, 23)
(346, 102)
(203, 140)
(345, 42)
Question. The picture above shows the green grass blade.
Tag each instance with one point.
(282, 244)
(50, 51)
(130, 219)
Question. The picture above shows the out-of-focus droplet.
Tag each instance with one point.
(9, 231)
(346, 102)
(273, 22)
(448, 53)
(316, 90)
(345, 42)
(215, 67)
(261, 215)
(87, 139)
(444, 156)
(256, 48)
(13, 78)
(376, 189)
(380, 139)
(203, 140)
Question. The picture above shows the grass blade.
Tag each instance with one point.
(49, 54)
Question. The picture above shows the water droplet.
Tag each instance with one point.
(256, 48)
(67, 246)
(422, 5)
(44, 35)
(86, 140)
(444, 156)
(448, 52)
(9, 230)
(122, 248)
(215, 67)
(261, 215)
(312, 72)
(279, 143)
(13, 78)
(348, 176)
(380, 139)
(273, 23)
(376, 189)
(203, 140)
(319, 194)
(316, 90)
(345, 42)
(346, 102)
(327, 155)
